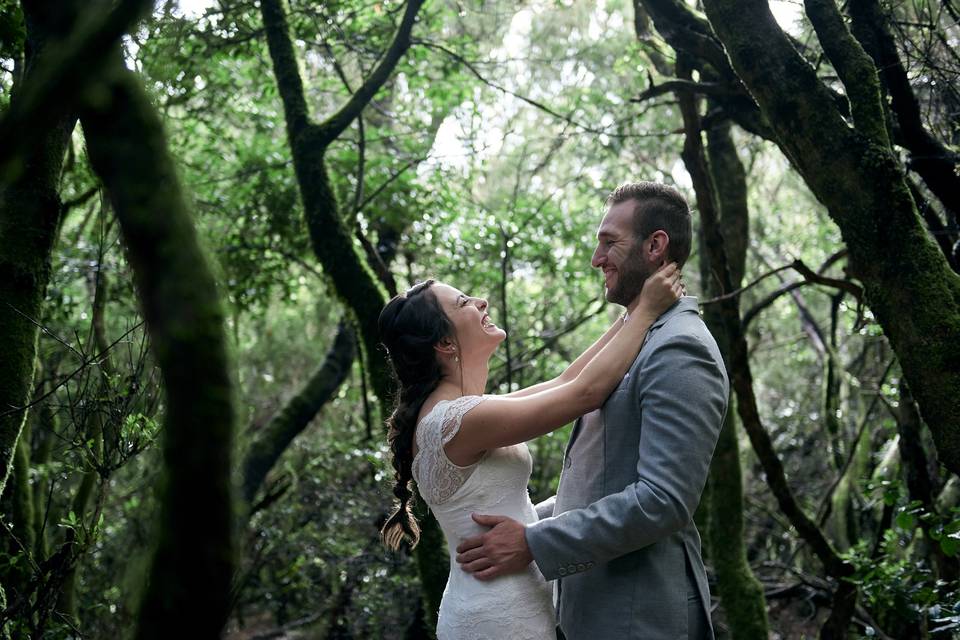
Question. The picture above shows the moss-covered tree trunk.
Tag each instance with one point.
(30, 217)
(908, 283)
(740, 591)
(188, 589)
(332, 243)
(741, 594)
(731, 327)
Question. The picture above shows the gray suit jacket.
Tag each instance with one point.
(619, 541)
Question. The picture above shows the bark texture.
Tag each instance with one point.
(853, 171)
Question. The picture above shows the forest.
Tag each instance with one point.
(206, 204)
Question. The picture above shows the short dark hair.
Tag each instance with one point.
(659, 206)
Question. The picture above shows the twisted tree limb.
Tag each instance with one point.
(297, 413)
(193, 561)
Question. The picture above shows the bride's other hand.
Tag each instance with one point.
(661, 290)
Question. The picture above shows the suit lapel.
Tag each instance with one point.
(573, 436)
(686, 303)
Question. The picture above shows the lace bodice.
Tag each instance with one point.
(517, 606)
(437, 477)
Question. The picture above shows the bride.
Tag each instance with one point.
(466, 450)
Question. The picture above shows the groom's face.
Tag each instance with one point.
(619, 254)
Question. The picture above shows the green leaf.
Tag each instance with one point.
(950, 544)
(905, 520)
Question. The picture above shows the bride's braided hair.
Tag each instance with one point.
(410, 326)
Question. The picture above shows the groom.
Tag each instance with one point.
(619, 538)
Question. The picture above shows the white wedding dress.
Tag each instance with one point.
(518, 606)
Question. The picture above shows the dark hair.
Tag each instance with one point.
(410, 326)
(658, 206)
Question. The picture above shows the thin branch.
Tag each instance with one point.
(386, 183)
(530, 101)
(70, 376)
(679, 84)
(79, 200)
(333, 126)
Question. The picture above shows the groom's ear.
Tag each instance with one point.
(658, 244)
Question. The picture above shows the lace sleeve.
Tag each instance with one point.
(438, 478)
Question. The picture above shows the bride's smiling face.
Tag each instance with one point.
(476, 334)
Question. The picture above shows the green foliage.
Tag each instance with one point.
(12, 29)
(902, 593)
(896, 582)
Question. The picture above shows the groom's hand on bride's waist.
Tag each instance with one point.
(500, 551)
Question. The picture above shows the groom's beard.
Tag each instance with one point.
(630, 278)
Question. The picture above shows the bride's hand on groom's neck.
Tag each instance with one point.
(660, 291)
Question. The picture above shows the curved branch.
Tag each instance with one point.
(336, 123)
(853, 65)
(493, 85)
(935, 163)
(688, 32)
(297, 413)
(678, 84)
(193, 562)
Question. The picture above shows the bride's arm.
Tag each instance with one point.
(574, 368)
(501, 421)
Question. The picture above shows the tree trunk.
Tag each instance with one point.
(853, 171)
(30, 217)
(332, 243)
(738, 365)
(740, 592)
(189, 581)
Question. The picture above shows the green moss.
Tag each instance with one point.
(29, 225)
(741, 594)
